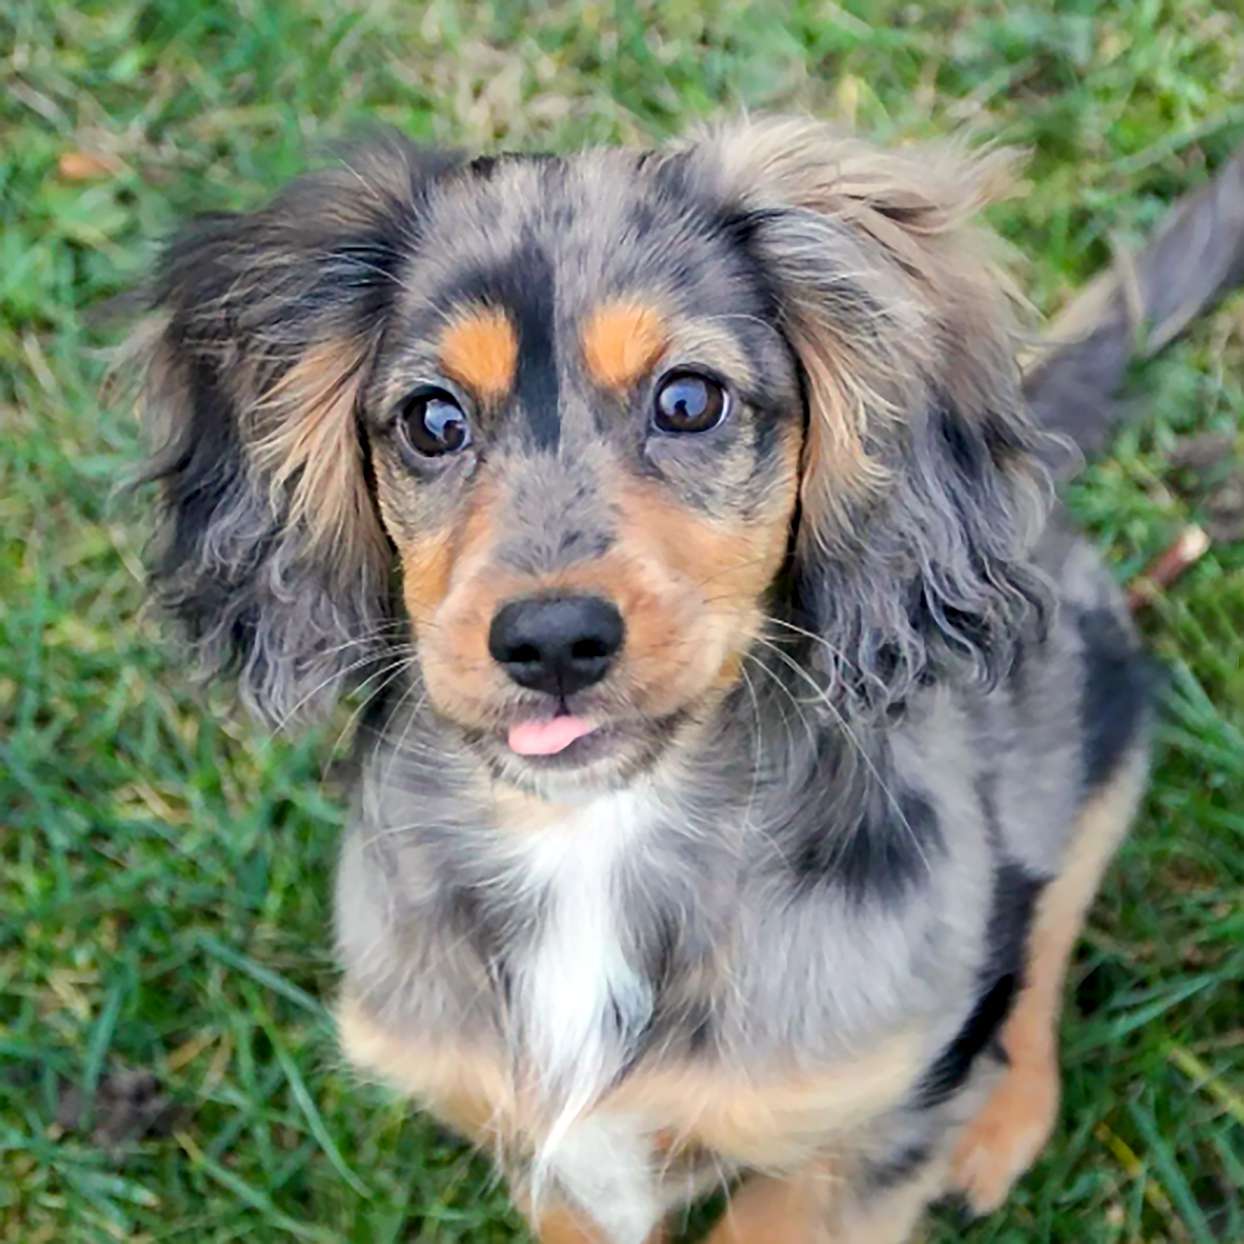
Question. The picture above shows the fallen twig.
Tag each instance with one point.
(1185, 550)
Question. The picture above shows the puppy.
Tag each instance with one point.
(744, 738)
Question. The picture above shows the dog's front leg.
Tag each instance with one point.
(793, 1210)
(818, 1205)
(597, 1184)
(1004, 1139)
(563, 1225)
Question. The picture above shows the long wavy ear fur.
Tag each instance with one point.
(920, 492)
(260, 334)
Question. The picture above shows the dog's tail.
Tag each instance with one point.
(1140, 305)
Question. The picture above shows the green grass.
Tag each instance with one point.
(166, 869)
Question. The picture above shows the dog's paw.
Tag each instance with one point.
(1003, 1140)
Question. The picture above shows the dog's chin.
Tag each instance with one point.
(608, 758)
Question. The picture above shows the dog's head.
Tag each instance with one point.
(573, 431)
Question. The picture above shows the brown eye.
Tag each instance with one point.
(431, 423)
(689, 402)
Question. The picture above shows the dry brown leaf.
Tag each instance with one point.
(86, 166)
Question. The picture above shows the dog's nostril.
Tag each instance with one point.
(558, 644)
(589, 650)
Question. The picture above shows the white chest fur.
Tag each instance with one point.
(577, 992)
(579, 998)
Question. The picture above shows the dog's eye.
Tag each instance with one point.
(689, 402)
(432, 423)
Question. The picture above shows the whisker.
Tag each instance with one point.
(319, 686)
(392, 670)
(802, 716)
(757, 745)
(834, 651)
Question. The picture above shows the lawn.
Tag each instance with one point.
(167, 1068)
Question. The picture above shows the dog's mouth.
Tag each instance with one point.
(549, 736)
(570, 741)
(583, 745)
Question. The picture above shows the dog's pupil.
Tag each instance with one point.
(688, 398)
(442, 421)
(689, 403)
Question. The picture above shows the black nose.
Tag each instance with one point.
(558, 644)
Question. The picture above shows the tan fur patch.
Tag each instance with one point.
(306, 444)
(816, 1205)
(468, 1091)
(480, 350)
(760, 1118)
(429, 564)
(621, 341)
(426, 567)
(452, 593)
(561, 1225)
(891, 1216)
(516, 811)
(728, 565)
(774, 1118)
(836, 469)
(766, 1210)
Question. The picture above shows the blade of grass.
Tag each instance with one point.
(264, 975)
(252, 1196)
(1163, 1159)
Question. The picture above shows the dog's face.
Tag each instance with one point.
(601, 417)
(585, 430)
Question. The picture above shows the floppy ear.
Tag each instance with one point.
(263, 326)
(919, 492)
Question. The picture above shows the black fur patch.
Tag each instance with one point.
(701, 1027)
(485, 924)
(1014, 899)
(740, 229)
(882, 857)
(1115, 693)
(537, 387)
(954, 1064)
(882, 1174)
(205, 476)
(484, 166)
(765, 442)
(987, 794)
(967, 452)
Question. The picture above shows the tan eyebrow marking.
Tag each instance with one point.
(621, 341)
(480, 349)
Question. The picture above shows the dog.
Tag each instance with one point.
(745, 731)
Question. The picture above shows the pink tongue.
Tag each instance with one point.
(545, 738)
